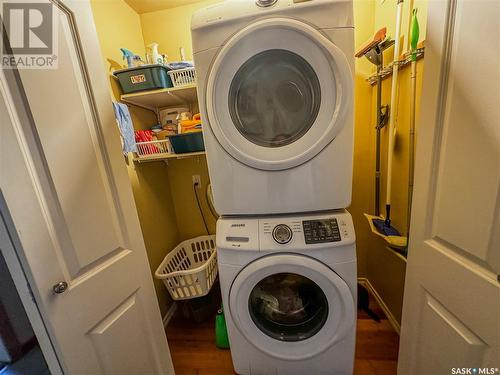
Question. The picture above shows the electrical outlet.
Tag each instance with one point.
(196, 179)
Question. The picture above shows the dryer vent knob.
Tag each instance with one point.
(265, 3)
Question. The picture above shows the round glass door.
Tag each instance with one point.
(288, 307)
(291, 306)
(274, 98)
(278, 92)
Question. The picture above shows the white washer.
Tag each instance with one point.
(275, 89)
(289, 292)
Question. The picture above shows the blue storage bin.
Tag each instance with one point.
(146, 77)
(189, 142)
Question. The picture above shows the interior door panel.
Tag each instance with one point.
(452, 291)
(78, 222)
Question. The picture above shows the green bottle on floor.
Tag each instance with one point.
(221, 339)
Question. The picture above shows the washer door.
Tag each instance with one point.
(290, 306)
(278, 92)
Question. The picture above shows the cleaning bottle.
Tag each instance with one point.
(221, 339)
(129, 56)
(414, 34)
(156, 58)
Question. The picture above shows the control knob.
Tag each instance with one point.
(282, 233)
(265, 3)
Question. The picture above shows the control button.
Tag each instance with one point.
(282, 234)
(265, 3)
(321, 231)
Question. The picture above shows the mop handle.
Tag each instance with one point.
(392, 119)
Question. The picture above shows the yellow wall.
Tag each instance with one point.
(171, 29)
(385, 15)
(189, 220)
(180, 215)
(384, 269)
(362, 196)
(118, 25)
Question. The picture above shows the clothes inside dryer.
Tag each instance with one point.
(288, 307)
(274, 98)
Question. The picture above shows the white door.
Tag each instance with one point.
(452, 294)
(278, 92)
(319, 308)
(67, 190)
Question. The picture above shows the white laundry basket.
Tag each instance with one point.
(183, 77)
(190, 269)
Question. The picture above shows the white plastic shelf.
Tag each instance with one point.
(162, 98)
(166, 157)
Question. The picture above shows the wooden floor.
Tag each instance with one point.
(193, 350)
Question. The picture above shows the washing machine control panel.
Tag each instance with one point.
(282, 233)
(288, 233)
(321, 231)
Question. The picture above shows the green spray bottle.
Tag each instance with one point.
(221, 339)
(414, 34)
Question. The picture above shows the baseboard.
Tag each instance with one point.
(392, 320)
(169, 314)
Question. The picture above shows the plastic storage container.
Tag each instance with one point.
(146, 77)
(190, 269)
(189, 142)
(221, 337)
(183, 77)
(153, 148)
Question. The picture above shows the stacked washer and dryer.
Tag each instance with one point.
(275, 89)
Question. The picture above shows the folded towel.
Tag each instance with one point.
(126, 127)
(180, 65)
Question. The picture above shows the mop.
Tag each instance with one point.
(379, 225)
(373, 51)
(400, 243)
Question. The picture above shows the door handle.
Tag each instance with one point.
(60, 287)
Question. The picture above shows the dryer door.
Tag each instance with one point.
(291, 307)
(278, 92)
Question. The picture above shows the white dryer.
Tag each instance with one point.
(289, 293)
(275, 89)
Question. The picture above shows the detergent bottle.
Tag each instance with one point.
(221, 337)
(155, 56)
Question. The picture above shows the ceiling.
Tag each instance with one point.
(144, 6)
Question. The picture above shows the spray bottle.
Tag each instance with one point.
(129, 56)
(156, 58)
